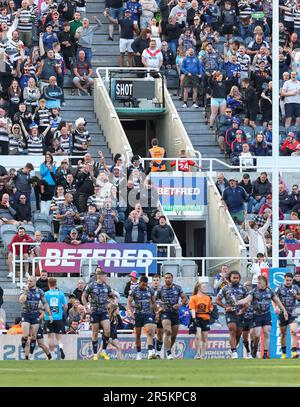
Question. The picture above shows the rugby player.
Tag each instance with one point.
(232, 292)
(168, 302)
(100, 294)
(288, 293)
(200, 307)
(40, 340)
(115, 319)
(155, 284)
(29, 299)
(58, 304)
(261, 298)
(145, 307)
(248, 324)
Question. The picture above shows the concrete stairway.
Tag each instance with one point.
(83, 106)
(202, 138)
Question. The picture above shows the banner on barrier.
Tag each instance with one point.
(123, 258)
(294, 251)
(181, 193)
(80, 347)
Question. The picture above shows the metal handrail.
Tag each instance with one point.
(116, 69)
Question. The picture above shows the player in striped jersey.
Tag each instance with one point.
(42, 115)
(58, 198)
(35, 140)
(65, 139)
(16, 140)
(288, 14)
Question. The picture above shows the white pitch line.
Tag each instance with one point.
(119, 375)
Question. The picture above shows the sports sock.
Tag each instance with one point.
(294, 349)
(95, 347)
(138, 348)
(266, 352)
(105, 340)
(32, 346)
(159, 345)
(61, 346)
(246, 344)
(233, 349)
(283, 349)
(23, 342)
(169, 352)
(49, 356)
(150, 347)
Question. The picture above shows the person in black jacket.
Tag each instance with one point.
(79, 290)
(169, 61)
(250, 103)
(23, 211)
(162, 233)
(67, 9)
(173, 31)
(221, 183)
(42, 282)
(135, 229)
(139, 45)
(67, 42)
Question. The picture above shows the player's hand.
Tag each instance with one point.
(285, 314)
(241, 312)
(277, 311)
(176, 306)
(228, 309)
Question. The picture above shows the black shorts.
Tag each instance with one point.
(171, 316)
(142, 319)
(56, 327)
(40, 334)
(227, 29)
(232, 318)
(31, 317)
(292, 109)
(159, 324)
(247, 324)
(113, 331)
(190, 81)
(251, 115)
(262, 320)
(283, 322)
(98, 316)
(203, 324)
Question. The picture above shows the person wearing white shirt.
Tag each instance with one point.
(256, 268)
(291, 92)
(152, 56)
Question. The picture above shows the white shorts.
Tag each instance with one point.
(125, 45)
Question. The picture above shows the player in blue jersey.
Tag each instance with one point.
(30, 298)
(248, 324)
(232, 293)
(167, 298)
(261, 298)
(141, 306)
(58, 304)
(101, 294)
(289, 294)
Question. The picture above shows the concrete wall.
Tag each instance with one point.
(109, 120)
(171, 132)
(223, 237)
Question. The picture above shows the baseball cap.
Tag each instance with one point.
(269, 196)
(236, 120)
(74, 231)
(291, 134)
(239, 132)
(134, 274)
(33, 125)
(127, 11)
(233, 179)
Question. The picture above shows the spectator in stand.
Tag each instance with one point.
(73, 329)
(19, 237)
(268, 205)
(289, 237)
(131, 284)
(233, 199)
(295, 195)
(152, 56)
(91, 221)
(246, 184)
(261, 188)
(7, 213)
(127, 28)
(22, 183)
(259, 147)
(221, 183)
(1, 296)
(139, 44)
(221, 279)
(82, 70)
(256, 268)
(81, 139)
(16, 329)
(79, 290)
(157, 152)
(250, 103)
(169, 61)
(85, 35)
(291, 92)
(257, 242)
(289, 145)
(53, 94)
(149, 7)
(115, 10)
(285, 201)
(108, 220)
(135, 229)
(67, 213)
(42, 282)
(162, 234)
(23, 214)
(191, 68)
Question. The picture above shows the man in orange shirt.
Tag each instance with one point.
(201, 306)
(17, 328)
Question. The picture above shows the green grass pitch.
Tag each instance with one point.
(274, 372)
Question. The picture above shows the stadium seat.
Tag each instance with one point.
(170, 266)
(259, 129)
(84, 267)
(12, 229)
(189, 268)
(248, 40)
(119, 239)
(29, 229)
(249, 132)
(41, 218)
(43, 228)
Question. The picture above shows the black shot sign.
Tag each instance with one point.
(124, 90)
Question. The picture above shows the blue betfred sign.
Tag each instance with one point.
(181, 192)
(276, 278)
